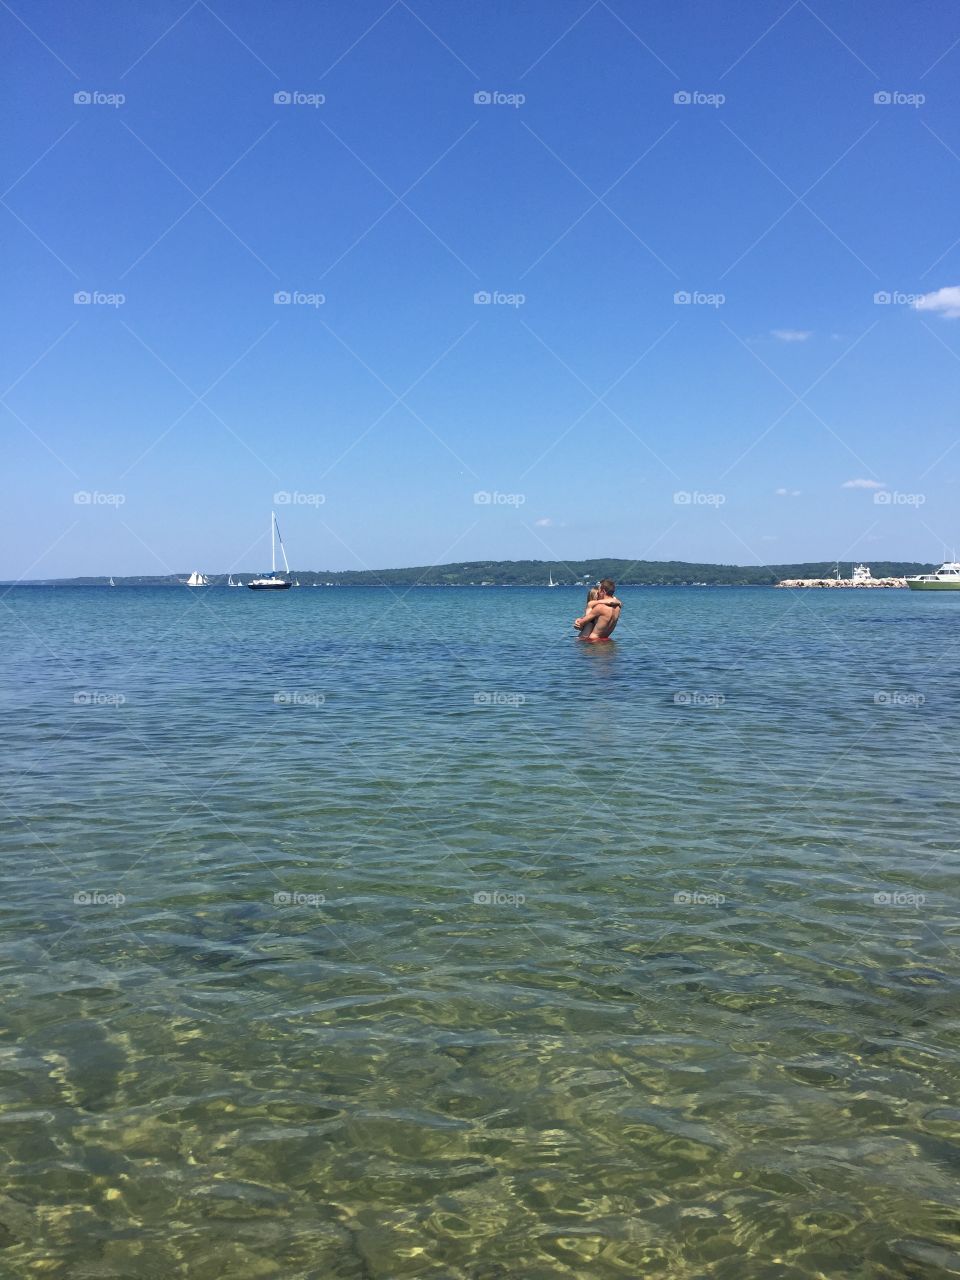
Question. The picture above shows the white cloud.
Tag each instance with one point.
(787, 493)
(863, 484)
(545, 523)
(792, 335)
(944, 301)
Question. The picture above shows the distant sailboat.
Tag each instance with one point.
(197, 580)
(551, 582)
(112, 583)
(296, 582)
(273, 582)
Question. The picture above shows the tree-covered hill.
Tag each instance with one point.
(535, 573)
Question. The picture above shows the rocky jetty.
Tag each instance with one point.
(847, 583)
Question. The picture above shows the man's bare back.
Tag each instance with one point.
(600, 618)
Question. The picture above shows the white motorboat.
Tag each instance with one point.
(946, 578)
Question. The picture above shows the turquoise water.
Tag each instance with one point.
(347, 934)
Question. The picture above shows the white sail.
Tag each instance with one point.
(273, 561)
(112, 583)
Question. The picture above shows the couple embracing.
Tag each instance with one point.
(602, 613)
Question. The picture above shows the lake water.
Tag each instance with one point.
(352, 934)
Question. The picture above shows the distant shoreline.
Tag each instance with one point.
(520, 573)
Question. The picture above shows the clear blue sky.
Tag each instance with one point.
(598, 198)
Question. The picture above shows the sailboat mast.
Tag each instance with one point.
(273, 549)
(283, 550)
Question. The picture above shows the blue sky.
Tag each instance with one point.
(783, 413)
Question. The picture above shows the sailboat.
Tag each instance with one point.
(273, 583)
(197, 580)
(551, 582)
(111, 583)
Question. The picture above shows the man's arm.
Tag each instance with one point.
(591, 613)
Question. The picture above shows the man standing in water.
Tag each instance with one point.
(602, 614)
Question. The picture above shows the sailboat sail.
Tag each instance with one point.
(283, 552)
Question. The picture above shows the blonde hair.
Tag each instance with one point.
(592, 594)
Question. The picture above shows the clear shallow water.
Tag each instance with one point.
(451, 948)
